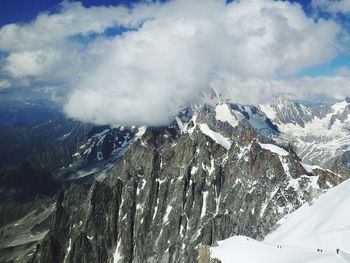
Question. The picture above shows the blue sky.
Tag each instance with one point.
(21, 11)
(328, 69)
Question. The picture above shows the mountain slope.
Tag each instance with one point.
(301, 235)
(161, 194)
(203, 178)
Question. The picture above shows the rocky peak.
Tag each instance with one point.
(281, 101)
(179, 187)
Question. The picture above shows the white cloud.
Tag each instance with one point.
(180, 47)
(4, 84)
(343, 71)
(30, 63)
(333, 6)
(261, 90)
(49, 30)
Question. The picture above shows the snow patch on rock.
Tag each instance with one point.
(217, 137)
(224, 114)
(274, 149)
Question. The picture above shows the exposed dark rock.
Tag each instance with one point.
(169, 194)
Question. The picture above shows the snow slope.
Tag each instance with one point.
(245, 250)
(217, 137)
(274, 149)
(223, 114)
(323, 225)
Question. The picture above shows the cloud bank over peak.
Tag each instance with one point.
(168, 53)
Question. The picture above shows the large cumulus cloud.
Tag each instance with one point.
(168, 55)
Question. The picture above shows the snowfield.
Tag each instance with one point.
(217, 137)
(324, 225)
(274, 149)
(223, 114)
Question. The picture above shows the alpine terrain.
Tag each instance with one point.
(175, 131)
(166, 194)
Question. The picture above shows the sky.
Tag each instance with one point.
(22, 11)
(139, 63)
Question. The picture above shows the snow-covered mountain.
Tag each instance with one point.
(156, 194)
(214, 172)
(319, 133)
(317, 233)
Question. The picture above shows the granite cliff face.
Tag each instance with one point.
(210, 175)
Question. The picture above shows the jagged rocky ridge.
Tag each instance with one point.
(213, 173)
